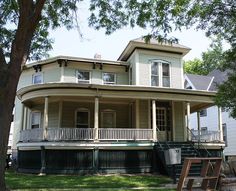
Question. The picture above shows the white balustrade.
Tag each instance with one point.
(31, 135)
(124, 134)
(206, 136)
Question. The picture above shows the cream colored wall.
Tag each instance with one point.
(133, 63)
(145, 58)
(122, 77)
(143, 114)
(179, 121)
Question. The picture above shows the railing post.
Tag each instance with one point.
(154, 125)
(96, 113)
(199, 126)
(188, 122)
(220, 124)
(45, 121)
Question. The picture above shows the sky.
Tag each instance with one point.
(69, 43)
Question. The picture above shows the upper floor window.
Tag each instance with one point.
(130, 76)
(155, 74)
(109, 78)
(83, 77)
(160, 74)
(203, 113)
(224, 126)
(37, 78)
(165, 75)
(35, 119)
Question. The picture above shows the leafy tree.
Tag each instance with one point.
(212, 59)
(194, 66)
(24, 27)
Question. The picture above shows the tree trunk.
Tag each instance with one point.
(29, 17)
(6, 107)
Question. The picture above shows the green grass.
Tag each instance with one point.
(33, 182)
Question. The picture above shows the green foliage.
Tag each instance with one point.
(194, 66)
(20, 181)
(213, 58)
(55, 14)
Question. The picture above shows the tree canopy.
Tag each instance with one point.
(213, 58)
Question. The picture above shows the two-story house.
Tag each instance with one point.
(79, 115)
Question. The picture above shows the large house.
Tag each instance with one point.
(208, 124)
(81, 115)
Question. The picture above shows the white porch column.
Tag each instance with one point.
(22, 117)
(96, 122)
(220, 127)
(154, 124)
(45, 121)
(137, 114)
(60, 114)
(25, 120)
(198, 125)
(188, 122)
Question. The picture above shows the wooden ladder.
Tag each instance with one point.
(209, 174)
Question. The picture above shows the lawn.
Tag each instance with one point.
(16, 181)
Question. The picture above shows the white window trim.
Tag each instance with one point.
(78, 81)
(40, 117)
(160, 76)
(37, 74)
(108, 111)
(110, 83)
(82, 110)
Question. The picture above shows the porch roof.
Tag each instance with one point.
(198, 99)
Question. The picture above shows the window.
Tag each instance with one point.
(108, 119)
(224, 126)
(37, 78)
(165, 75)
(109, 78)
(160, 73)
(203, 130)
(35, 119)
(83, 77)
(82, 118)
(203, 113)
(154, 74)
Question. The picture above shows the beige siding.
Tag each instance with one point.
(143, 114)
(68, 113)
(53, 115)
(179, 121)
(145, 67)
(51, 73)
(122, 113)
(132, 63)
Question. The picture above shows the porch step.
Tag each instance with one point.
(187, 150)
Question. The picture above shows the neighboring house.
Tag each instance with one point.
(10, 139)
(84, 115)
(208, 122)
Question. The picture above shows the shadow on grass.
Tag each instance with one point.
(26, 181)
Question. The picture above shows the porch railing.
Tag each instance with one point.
(66, 134)
(208, 136)
(77, 134)
(124, 134)
(31, 135)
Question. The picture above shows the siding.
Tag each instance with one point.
(143, 114)
(145, 68)
(179, 121)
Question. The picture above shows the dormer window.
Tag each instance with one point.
(109, 78)
(160, 73)
(83, 77)
(37, 78)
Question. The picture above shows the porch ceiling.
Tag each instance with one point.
(198, 99)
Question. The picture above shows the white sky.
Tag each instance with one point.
(69, 43)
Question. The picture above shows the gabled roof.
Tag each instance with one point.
(219, 78)
(199, 82)
(152, 45)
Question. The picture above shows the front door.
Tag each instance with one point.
(162, 128)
